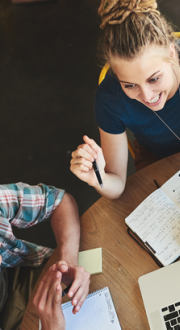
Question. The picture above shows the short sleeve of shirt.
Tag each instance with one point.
(24, 205)
(108, 106)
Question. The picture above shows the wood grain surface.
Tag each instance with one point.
(124, 261)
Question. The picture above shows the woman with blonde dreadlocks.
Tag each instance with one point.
(141, 93)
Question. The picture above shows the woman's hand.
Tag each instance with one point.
(112, 163)
(82, 159)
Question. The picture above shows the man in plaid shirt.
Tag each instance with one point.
(23, 206)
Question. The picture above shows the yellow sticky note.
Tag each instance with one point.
(91, 260)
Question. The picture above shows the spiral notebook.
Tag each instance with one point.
(156, 222)
(97, 312)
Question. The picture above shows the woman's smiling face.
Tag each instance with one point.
(148, 78)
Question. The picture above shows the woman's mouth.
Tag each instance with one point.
(154, 102)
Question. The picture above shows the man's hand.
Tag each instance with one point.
(80, 280)
(48, 301)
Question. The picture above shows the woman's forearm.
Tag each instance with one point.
(113, 186)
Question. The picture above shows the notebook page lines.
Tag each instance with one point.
(96, 313)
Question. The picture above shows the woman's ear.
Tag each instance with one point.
(172, 52)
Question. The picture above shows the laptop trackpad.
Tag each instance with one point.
(156, 321)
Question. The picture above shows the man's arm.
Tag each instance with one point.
(66, 227)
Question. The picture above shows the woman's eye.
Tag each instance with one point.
(154, 80)
(130, 86)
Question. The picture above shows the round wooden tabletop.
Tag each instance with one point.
(124, 261)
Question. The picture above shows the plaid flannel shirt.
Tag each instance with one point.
(24, 206)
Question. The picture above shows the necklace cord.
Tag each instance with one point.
(162, 119)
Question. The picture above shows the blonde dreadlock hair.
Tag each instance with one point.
(130, 25)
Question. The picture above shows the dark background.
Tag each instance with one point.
(48, 76)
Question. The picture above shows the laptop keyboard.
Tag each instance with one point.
(171, 315)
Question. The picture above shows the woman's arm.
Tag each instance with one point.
(111, 159)
(115, 151)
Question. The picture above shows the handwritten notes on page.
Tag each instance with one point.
(156, 221)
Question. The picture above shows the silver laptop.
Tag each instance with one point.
(161, 296)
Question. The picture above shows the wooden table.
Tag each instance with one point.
(124, 261)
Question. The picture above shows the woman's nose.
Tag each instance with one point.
(146, 94)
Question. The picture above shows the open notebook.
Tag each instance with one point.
(96, 313)
(156, 221)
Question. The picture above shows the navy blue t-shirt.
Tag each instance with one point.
(115, 111)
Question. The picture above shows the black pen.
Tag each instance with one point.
(96, 169)
(156, 184)
(65, 291)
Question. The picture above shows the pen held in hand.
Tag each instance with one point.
(96, 169)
